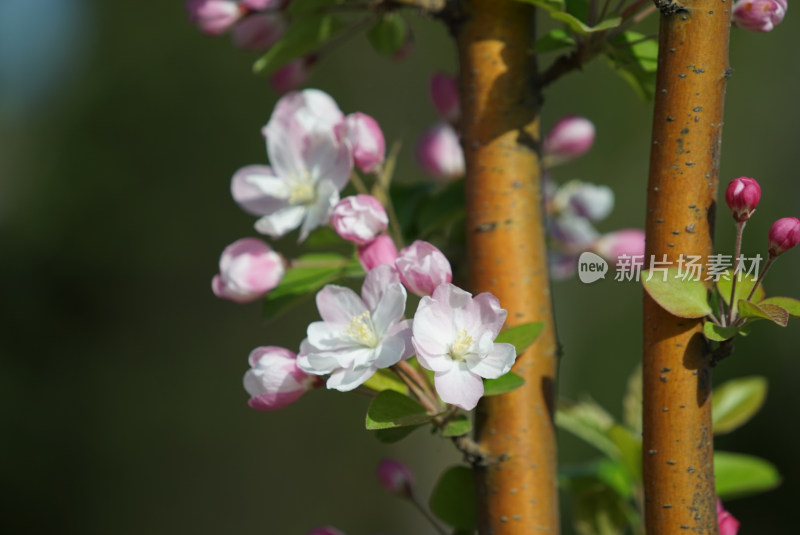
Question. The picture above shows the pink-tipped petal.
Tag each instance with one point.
(459, 387)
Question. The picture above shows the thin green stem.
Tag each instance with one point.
(318, 263)
(761, 276)
(428, 516)
(355, 178)
(737, 251)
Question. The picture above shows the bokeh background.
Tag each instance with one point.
(121, 404)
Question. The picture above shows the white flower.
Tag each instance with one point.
(358, 335)
(454, 337)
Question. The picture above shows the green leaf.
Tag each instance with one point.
(632, 403)
(547, 5)
(303, 36)
(685, 298)
(388, 35)
(773, 313)
(635, 58)
(581, 27)
(588, 421)
(520, 336)
(313, 271)
(616, 476)
(392, 409)
(503, 384)
(739, 475)
(395, 434)
(792, 306)
(744, 285)
(717, 333)
(453, 498)
(736, 401)
(385, 379)
(630, 450)
(460, 425)
(599, 510)
(554, 40)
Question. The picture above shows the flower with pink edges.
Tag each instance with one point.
(359, 218)
(759, 15)
(366, 139)
(454, 337)
(396, 477)
(570, 137)
(728, 525)
(259, 31)
(358, 335)
(422, 268)
(380, 251)
(622, 244)
(310, 110)
(248, 269)
(214, 17)
(274, 381)
(439, 152)
(444, 94)
(742, 196)
(784, 234)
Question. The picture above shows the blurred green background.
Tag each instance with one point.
(121, 403)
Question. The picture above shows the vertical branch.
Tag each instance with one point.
(687, 127)
(507, 256)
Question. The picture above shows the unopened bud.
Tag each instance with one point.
(259, 31)
(728, 525)
(569, 138)
(622, 243)
(379, 251)
(366, 139)
(742, 196)
(292, 75)
(274, 380)
(759, 15)
(396, 477)
(214, 17)
(444, 94)
(359, 218)
(423, 267)
(439, 152)
(248, 269)
(783, 235)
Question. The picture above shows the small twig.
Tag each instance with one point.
(761, 276)
(723, 350)
(358, 183)
(427, 514)
(738, 250)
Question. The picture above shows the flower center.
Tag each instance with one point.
(460, 345)
(301, 190)
(361, 330)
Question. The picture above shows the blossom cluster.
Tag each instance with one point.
(313, 149)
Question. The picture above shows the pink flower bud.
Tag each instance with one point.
(626, 242)
(444, 94)
(728, 525)
(439, 152)
(274, 381)
(396, 477)
(759, 15)
(783, 235)
(422, 267)
(214, 17)
(292, 75)
(359, 219)
(366, 139)
(258, 5)
(248, 269)
(259, 31)
(742, 196)
(571, 137)
(325, 530)
(379, 251)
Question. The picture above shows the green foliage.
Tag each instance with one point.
(503, 384)
(303, 36)
(632, 402)
(599, 510)
(756, 311)
(685, 298)
(521, 336)
(634, 57)
(588, 421)
(453, 498)
(460, 425)
(386, 379)
(739, 475)
(717, 333)
(388, 35)
(744, 285)
(392, 409)
(554, 40)
(395, 434)
(790, 305)
(573, 14)
(736, 401)
(313, 271)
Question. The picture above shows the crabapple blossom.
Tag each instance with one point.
(439, 152)
(396, 477)
(302, 186)
(625, 242)
(359, 218)
(783, 235)
(310, 109)
(728, 525)
(259, 31)
(453, 334)
(248, 269)
(366, 140)
(592, 201)
(214, 17)
(358, 335)
(274, 381)
(570, 137)
(379, 251)
(759, 15)
(742, 196)
(291, 76)
(443, 89)
(422, 268)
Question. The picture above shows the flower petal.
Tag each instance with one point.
(390, 352)
(402, 330)
(327, 159)
(338, 304)
(345, 380)
(378, 279)
(498, 362)
(319, 213)
(433, 328)
(390, 309)
(310, 360)
(257, 190)
(459, 387)
(281, 222)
